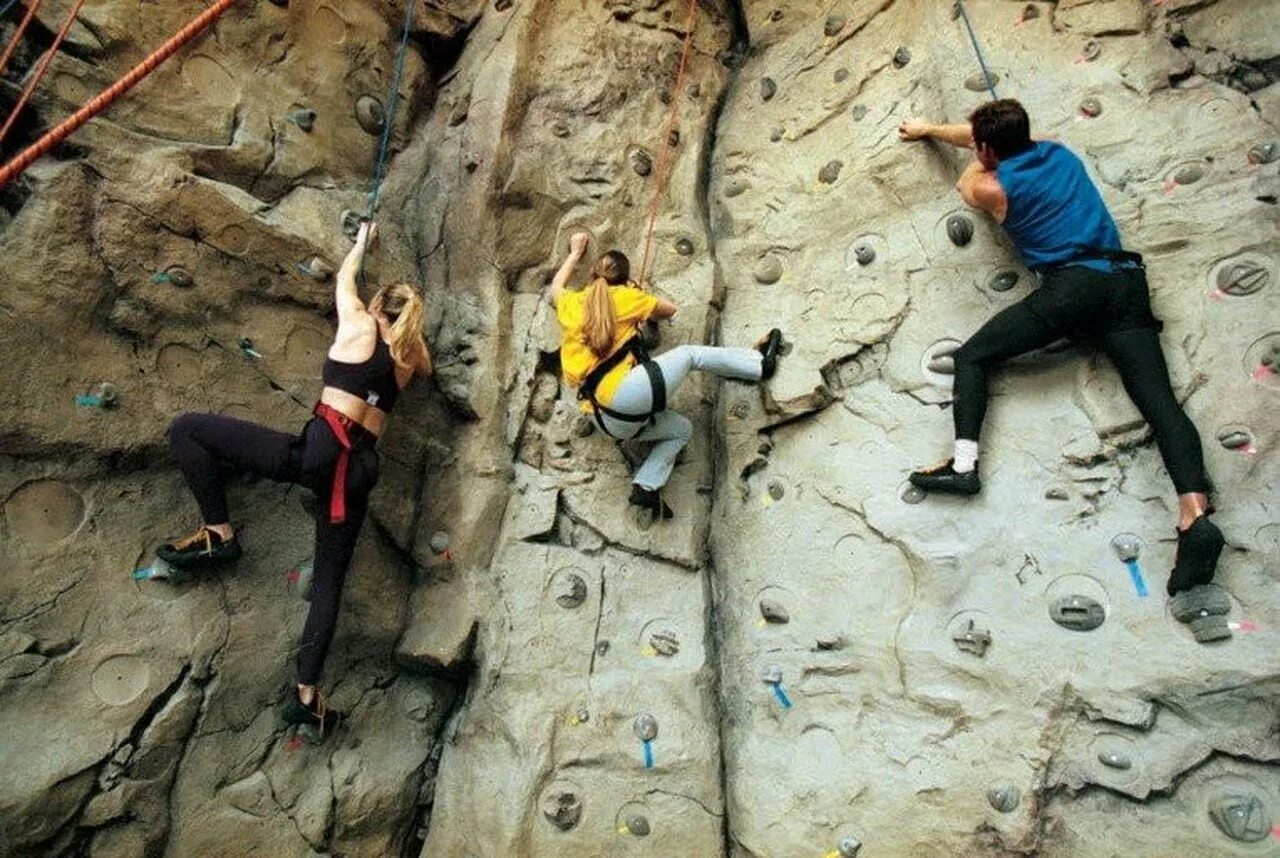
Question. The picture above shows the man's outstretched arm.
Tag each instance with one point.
(959, 134)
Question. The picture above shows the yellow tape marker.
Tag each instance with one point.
(648, 652)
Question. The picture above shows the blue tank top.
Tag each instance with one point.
(1055, 212)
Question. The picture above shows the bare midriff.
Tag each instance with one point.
(354, 407)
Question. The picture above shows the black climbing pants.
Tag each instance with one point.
(205, 444)
(1109, 309)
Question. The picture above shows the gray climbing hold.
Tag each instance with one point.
(636, 824)
(1241, 816)
(960, 229)
(776, 15)
(180, 277)
(848, 847)
(1091, 107)
(943, 364)
(1209, 629)
(570, 590)
(830, 171)
(771, 675)
(582, 715)
(776, 133)
(768, 269)
(776, 490)
(1092, 50)
(1243, 278)
(1115, 760)
(1004, 798)
(1206, 600)
(901, 57)
(1056, 493)
(665, 643)
(350, 221)
(602, 648)
(973, 639)
(767, 88)
(562, 808)
(1126, 546)
(1030, 12)
(1188, 174)
(304, 119)
(841, 75)
(673, 139)
(859, 112)
(736, 187)
(502, 5)
(1077, 613)
(561, 128)
(645, 727)
(1234, 439)
(1263, 153)
(833, 25)
(912, 494)
(641, 162)
(439, 542)
(684, 247)
(315, 268)
(979, 82)
(772, 612)
(863, 253)
(1003, 281)
(370, 114)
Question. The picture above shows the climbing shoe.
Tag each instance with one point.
(946, 479)
(651, 500)
(316, 715)
(200, 548)
(769, 347)
(1198, 549)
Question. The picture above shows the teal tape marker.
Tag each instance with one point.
(1127, 547)
(646, 730)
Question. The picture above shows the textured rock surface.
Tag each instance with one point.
(506, 620)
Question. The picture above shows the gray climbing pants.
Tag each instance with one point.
(669, 429)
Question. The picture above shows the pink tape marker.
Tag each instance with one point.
(1250, 450)
(1169, 185)
(1217, 295)
(294, 744)
(1275, 831)
(1262, 373)
(1245, 626)
(293, 576)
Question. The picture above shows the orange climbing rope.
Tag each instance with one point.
(17, 34)
(664, 160)
(103, 99)
(43, 67)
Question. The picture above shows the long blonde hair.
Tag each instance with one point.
(402, 305)
(600, 325)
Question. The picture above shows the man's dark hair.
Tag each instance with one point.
(1003, 125)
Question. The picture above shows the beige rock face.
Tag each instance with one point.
(805, 659)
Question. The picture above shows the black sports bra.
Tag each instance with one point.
(373, 380)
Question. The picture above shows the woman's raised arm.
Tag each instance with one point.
(577, 249)
(346, 295)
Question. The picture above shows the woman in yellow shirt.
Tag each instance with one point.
(601, 353)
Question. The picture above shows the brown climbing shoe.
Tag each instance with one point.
(200, 548)
(318, 716)
(1198, 549)
(770, 347)
(942, 477)
(651, 500)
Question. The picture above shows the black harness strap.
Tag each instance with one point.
(632, 347)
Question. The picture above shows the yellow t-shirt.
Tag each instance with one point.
(631, 308)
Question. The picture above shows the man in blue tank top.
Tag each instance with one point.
(1091, 290)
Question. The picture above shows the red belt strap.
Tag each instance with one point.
(339, 423)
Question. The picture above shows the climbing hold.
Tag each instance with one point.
(1091, 51)
(673, 139)
(582, 715)
(1206, 600)
(859, 112)
(833, 25)
(439, 542)
(1243, 277)
(176, 275)
(776, 491)
(830, 172)
(637, 824)
(863, 253)
(1126, 546)
(561, 128)
(350, 221)
(304, 119)
(1091, 106)
(1240, 816)
(911, 494)
(502, 5)
(665, 643)
(1077, 613)
(772, 677)
(1234, 439)
(773, 612)
(1003, 281)
(848, 847)
(693, 90)
(641, 162)
(562, 808)
(973, 639)
(841, 75)
(570, 589)
(959, 229)
(370, 114)
(104, 395)
(1030, 12)
(736, 187)
(1210, 629)
(1188, 174)
(1004, 798)
(1114, 760)
(159, 570)
(684, 247)
(1263, 153)
(315, 268)
(768, 269)
(901, 57)
(943, 364)
(980, 82)
(767, 88)
(645, 727)
(247, 349)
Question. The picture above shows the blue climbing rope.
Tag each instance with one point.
(390, 119)
(977, 49)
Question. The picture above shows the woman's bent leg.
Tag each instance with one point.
(201, 442)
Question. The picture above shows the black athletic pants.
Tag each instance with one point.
(204, 444)
(1111, 309)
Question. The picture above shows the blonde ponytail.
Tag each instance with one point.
(403, 307)
(600, 325)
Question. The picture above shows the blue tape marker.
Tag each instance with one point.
(86, 401)
(143, 574)
(783, 699)
(648, 754)
(1135, 573)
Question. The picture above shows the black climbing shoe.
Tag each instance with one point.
(650, 499)
(1198, 549)
(769, 347)
(946, 479)
(318, 716)
(204, 547)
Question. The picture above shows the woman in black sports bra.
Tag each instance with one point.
(376, 351)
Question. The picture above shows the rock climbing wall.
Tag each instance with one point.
(810, 659)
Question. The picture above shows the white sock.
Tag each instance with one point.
(966, 456)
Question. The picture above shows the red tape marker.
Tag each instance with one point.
(293, 576)
(294, 744)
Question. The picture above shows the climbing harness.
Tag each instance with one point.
(664, 160)
(633, 347)
(987, 78)
(17, 34)
(43, 67)
(103, 99)
(340, 424)
(389, 122)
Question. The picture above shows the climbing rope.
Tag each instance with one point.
(4, 10)
(103, 99)
(17, 34)
(389, 121)
(43, 67)
(664, 160)
(987, 79)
